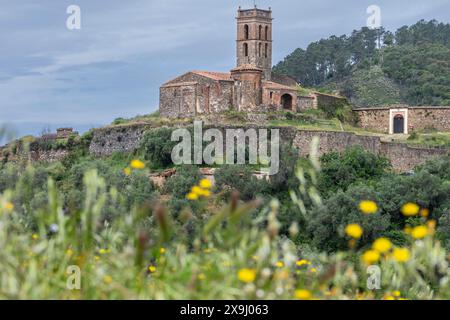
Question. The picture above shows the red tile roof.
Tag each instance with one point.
(274, 85)
(219, 76)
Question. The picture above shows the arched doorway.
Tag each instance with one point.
(399, 124)
(286, 101)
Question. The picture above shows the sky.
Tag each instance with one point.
(112, 67)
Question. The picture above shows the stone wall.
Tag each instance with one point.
(403, 157)
(376, 119)
(305, 103)
(108, 140)
(419, 118)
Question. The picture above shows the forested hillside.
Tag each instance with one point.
(379, 67)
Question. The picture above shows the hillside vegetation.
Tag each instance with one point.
(378, 67)
(309, 232)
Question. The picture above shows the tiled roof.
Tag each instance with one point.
(246, 67)
(274, 85)
(177, 84)
(219, 76)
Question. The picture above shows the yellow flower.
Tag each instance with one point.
(127, 171)
(419, 232)
(192, 196)
(247, 275)
(279, 264)
(354, 230)
(205, 193)
(137, 164)
(69, 252)
(206, 184)
(368, 207)
(162, 250)
(197, 190)
(382, 245)
(424, 212)
(35, 236)
(107, 279)
(302, 262)
(396, 293)
(313, 270)
(389, 298)
(303, 294)
(201, 276)
(103, 251)
(410, 209)
(431, 224)
(401, 254)
(152, 269)
(8, 206)
(370, 256)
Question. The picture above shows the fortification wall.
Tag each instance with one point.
(402, 156)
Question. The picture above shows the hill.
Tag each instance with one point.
(379, 67)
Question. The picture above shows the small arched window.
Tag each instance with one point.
(246, 32)
(266, 49)
(260, 32)
(245, 50)
(267, 33)
(259, 49)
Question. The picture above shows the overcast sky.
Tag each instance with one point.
(113, 66)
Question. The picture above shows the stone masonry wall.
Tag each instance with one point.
(402, 156)
(419, 118)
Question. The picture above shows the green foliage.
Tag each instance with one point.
(378, 67)
(157, 146)
(180, 184)
(340, 170)
(240, 178)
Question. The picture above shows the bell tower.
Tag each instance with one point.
(254, 39)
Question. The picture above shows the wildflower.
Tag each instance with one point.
(424, 212)
(205, 193)
(371, 256)
(410, 209)
(303, 294)
(162, 250)
(8, 206)
(419, 232)
(201, 276)
(197, 190)
(389, 297)
(205, 184)
(313, 270)
(302, 262)
(354, 230)
(35, 236)
(247, 275)
(192, 196)
(97, 258)
(396, 293)
(382, 245)
(107, 279)
(152, 269)
(137, 164)
(279, 264)
(368, 207)
(69, 252)
(431, 224)
(401, 254)
(103, 251)
(127, 171)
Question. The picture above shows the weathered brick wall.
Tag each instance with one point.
(191, 94)
(305, 103)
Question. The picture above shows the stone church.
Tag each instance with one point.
(251, 86)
